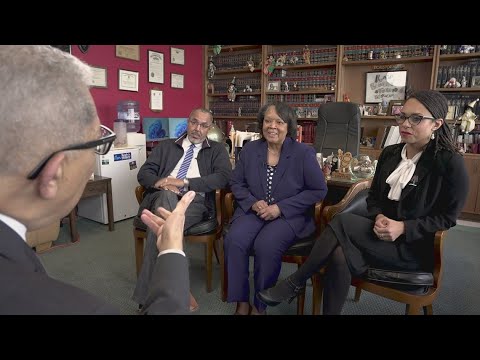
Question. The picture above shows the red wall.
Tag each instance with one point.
(176, 102)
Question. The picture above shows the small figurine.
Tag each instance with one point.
(251, 65)
(232, 91)
(294, 60)
(398, 55)
(247, 88)
(370, 55)
(452, 83)
(281, 60)
(295, 86)
(464, 82)
(468, 118)
(466, 49)
(383, 55)
(286, 87)
(345, 58)
(306, 55)
(240, 111)
(211, 68)
(332, 86)
(269, 65)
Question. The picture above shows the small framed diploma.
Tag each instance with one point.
(131, 52)
(156, 100)
(127, 80)
(99, 77)
(155, 67)
(177, 81)
(177, 56)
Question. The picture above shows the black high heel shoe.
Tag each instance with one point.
(285, 290)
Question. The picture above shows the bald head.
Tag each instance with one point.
(45, 105)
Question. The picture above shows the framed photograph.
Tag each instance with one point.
(394, 107)
(475, 81)
(385, 85)
(177, 81)
(368, 110)
(99, 77)
(131, 52)
(177, 56)
(274, 86)
(127, 80)
(155, 67)
(156, 100)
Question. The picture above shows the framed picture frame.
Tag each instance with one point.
(177, 56)
(368, 110)
(177, 81)
(475, 81)
(274, 86)
(394, 107)
(155, 67)
(131, 52)
(385, 85)
(156, 100)
(99, 77)
(127, 80)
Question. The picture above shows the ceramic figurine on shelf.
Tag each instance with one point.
(286, 87)
(232, 91)
(240, 111)
(248, 88)
(464, 82)
(294, 60)
(282, 60)
(269, 65)
(383, 55)
(250, 64)
(211, 68)
(306, 55)
(295, 86)
(468, 118)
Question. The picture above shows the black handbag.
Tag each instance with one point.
(410, 278)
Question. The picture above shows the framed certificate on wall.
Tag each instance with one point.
(177, 81)
(155, 67)
(127, 80)
(177, 56)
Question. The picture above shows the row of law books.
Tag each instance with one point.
(387, 135)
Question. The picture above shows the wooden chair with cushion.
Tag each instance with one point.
(296, 254)
(206, 232)
(421, 297)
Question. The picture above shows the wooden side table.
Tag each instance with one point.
(98, 186)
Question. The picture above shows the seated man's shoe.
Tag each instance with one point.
(285, 290)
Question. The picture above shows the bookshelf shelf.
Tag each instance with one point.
(304, 92)
(414, 59)
(447, 57)
(238, 94)
(459, 90)
(229, 48)
(236, 71)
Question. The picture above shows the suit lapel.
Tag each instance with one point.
(262, 164)
(424, 166)
(282, 163)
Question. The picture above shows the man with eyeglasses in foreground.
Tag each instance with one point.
(50, 134)
(191, 162)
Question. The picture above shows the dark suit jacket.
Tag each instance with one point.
(298, 182)
(213, 164)
(25, 287)
(431, 201)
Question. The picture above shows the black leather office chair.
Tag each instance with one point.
(338, 127)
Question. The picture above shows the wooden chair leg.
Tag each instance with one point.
(358, 292)
(411, 309)
(138, 252)
(301, 303)
(428, 310)
(215, 250)
(223, 273)
(317, 282)
(208, 263)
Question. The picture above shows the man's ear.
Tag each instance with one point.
(438, 123)
(49, 177)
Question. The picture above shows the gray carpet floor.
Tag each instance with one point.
(103, 263)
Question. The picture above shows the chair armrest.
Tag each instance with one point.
(437, 256)
(330, 211)
(228, 207)
(139, 193)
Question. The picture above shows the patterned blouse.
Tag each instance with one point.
(270, 171)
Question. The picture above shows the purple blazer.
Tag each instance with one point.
(298, 182)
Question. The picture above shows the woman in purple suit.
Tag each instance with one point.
(276, 183)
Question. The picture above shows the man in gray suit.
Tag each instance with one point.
(191, 162)
(50, 134)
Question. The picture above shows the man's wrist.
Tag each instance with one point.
(186, 183)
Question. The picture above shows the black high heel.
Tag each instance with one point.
(285, 290)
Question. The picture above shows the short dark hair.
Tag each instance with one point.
(285, 112)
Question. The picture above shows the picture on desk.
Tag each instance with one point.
(156, 129)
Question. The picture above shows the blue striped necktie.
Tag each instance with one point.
(182, 172)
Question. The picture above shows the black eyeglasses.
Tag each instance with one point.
(195, 123)
(102, 146)
(413, 119)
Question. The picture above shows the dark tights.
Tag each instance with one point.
(327, 251)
